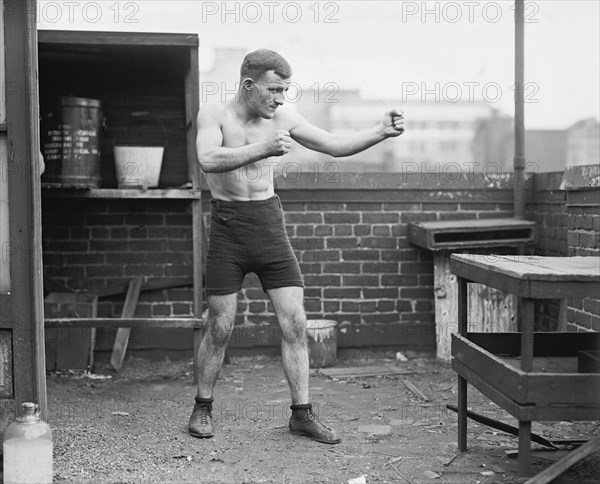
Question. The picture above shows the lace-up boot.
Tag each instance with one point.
(305, 422)
(200, 424)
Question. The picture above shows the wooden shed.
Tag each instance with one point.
(154, 76)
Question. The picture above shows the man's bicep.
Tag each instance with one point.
(312, 137)
(209, 132)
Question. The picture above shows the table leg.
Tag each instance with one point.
(462, 414)
(527, 323)
(462, 383)
(524, 448)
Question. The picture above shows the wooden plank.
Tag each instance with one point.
(363, 372)
(5, 311)
(524, 412)
(535, 286)
(554, 412)
(115, 323)
(577, 268)
(150, 285)
(6, 365)
(22, 121)
(416, 390)
(473, 224)
(490, 368)
(504, 427)
(565, 388)
(556, 469)
(528, 315)
(115, 38)
(562, 315)
(2, 79)
(562, 344)
(524, 465)
(70, 348)
(121, 193)
(489, 309)
(561, 290)
(462, 412)
(122, 337)
(192, 105)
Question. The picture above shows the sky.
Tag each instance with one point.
(425, 51)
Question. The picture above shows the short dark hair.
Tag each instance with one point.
(256, 63)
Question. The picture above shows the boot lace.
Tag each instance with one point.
(310, 415)
(204, 413)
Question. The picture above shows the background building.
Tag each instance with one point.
(467, 135)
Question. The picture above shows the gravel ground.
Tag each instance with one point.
(131, 428)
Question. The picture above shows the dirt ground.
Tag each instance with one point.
(131, 428)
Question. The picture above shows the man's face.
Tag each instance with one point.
(267, 94)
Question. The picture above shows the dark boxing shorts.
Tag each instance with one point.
(249, 237)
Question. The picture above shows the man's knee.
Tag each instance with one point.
(293, 329)
(221, 317)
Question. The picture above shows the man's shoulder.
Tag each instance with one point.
(287, 118)
(212, 109)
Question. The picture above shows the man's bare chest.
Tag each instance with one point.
(236, 134)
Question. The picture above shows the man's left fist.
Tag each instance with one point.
(393, 122)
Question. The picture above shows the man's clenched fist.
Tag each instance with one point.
(393, 122)
(279, 142)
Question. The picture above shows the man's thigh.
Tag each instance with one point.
(223, 308)
(288, 303)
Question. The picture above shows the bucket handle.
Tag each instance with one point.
(140, 114)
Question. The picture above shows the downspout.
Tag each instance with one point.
(519, 153)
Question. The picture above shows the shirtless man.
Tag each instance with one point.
(247, 231)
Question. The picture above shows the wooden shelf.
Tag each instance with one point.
(118, 193)
(114, 323)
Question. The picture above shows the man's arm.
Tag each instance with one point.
(215, 158)
(347, 144)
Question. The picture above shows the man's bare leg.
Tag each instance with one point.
(289, 307)
(288, 303)
(221, 316)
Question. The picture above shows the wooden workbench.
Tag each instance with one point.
(527, 393)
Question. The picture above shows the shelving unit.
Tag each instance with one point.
(132, 72)
(119, 193)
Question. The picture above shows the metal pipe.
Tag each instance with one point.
(519, 154)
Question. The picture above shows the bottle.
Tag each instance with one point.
(28, 448)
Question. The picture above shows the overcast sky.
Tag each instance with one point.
(432, 51)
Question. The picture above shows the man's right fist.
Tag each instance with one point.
(279, 142)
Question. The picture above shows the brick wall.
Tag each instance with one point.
(566, 207)
(350, 236)
(92, 245)
(582, 206)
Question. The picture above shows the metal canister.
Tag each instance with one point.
(71, 143)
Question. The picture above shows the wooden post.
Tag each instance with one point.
(24, 201)
(192, 106)
(462, 383)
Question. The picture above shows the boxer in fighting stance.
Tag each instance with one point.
(247, 230)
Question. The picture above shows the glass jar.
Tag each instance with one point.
(27, 448)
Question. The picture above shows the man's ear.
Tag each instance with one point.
(247, 83)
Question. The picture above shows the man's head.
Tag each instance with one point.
(264, 79)
(256, 63)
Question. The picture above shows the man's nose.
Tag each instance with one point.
(279, 98)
